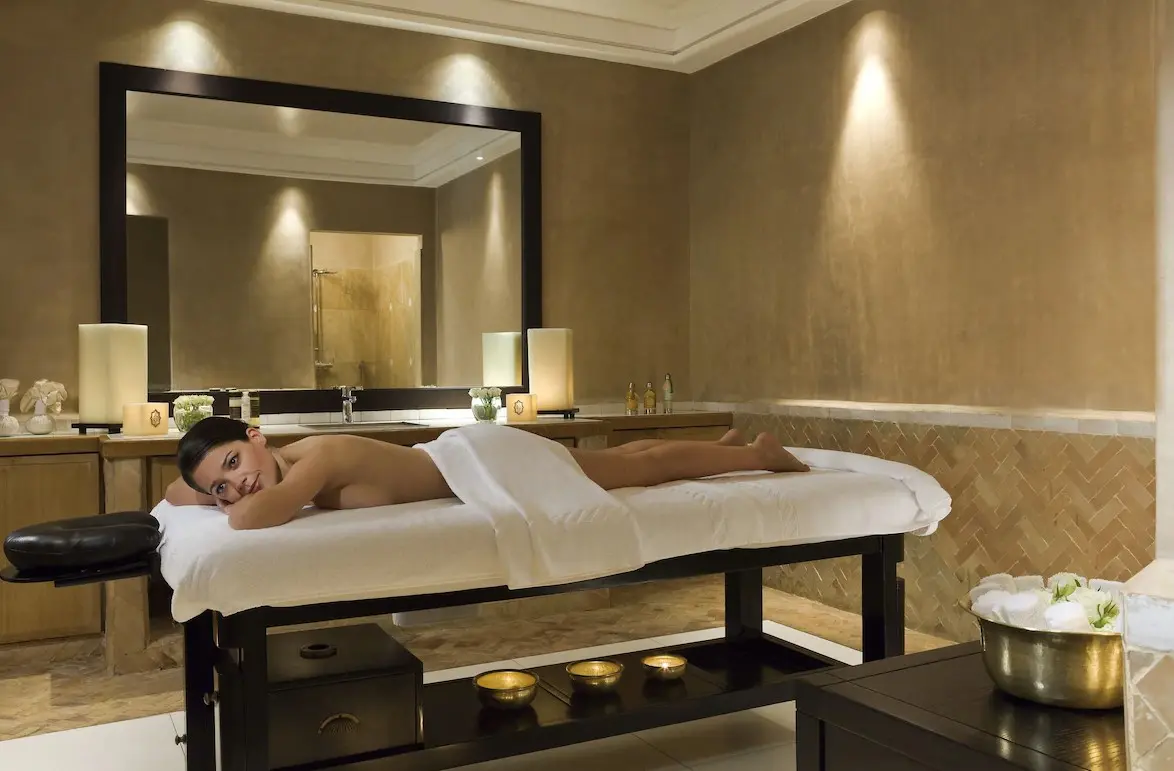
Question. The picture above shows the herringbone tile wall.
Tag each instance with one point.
(1025, 502)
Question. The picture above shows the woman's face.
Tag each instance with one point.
(231, 471)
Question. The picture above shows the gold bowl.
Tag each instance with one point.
(506, 688)
(664, 666)
(1077, 670)
(598, 676)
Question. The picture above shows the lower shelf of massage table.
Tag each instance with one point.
(721, 677)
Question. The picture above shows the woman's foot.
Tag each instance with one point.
(733, 438)
(775, 457)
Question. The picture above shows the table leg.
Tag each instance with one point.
(744, 604)
(199, 652)
(883, 607)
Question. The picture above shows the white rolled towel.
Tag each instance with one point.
(977, 592)
(1067, 617)
(990, 605)
(1112, 588)
(1026, 609)
(1002, 581)
(1029, 583)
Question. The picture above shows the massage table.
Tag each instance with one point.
(524, 524)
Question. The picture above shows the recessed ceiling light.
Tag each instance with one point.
(480, 157)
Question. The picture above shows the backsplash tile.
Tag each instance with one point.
(1026, 502)
(1090, 422)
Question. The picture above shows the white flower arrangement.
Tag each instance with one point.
(52, 394)
(9, 388)
(190, 409)
(193, 401)
(486, 402)
(485, 394)
(1065, 602)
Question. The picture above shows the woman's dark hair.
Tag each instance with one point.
(203, 438)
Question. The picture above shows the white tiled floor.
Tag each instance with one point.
(744, 741)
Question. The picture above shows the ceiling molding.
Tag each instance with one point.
(447, 155)
(685, 36)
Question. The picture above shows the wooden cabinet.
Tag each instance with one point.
(163, 472)
(36, 489)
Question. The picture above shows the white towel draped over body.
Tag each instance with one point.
(553, 524)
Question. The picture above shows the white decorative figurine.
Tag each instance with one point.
(8, 424)
(45, 396)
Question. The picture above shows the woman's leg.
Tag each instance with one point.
(732, 438)
(675, 461)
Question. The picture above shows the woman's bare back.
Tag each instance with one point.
(367, 472)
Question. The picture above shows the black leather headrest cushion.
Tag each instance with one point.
(83, 543)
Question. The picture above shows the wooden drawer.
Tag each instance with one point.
(41, 489)
(339, 692)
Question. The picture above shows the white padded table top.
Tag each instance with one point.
(443, 546)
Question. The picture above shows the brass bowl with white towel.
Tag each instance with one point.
(1076, 670)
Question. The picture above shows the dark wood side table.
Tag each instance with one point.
(939, 711)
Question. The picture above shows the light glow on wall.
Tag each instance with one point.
(874, 132)
(290, 121)
(467, 79)
(876, 220)
(289, 223)
(138, 199)
(186, 44)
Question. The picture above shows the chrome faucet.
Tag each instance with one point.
(348, 402)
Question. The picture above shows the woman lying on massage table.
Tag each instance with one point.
(226, 463)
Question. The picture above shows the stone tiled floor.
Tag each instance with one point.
(56, 687)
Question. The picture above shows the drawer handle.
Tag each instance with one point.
(337, 724)
(318, 651)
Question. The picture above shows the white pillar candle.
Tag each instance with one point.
(552, 368)
(144, 419)
(520, 408)
(112, 370)
(501, 359)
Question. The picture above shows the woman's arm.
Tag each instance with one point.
(179, 494)
(279, 504)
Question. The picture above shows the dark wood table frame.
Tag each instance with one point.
(747, 668)
(940, 711)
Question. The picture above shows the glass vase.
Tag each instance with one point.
(186, 417)
(9, 426)
(485, 410)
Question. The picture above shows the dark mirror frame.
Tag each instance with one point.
(116, 80)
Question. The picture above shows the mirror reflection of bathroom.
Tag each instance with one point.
(366, 302)
(269, 247)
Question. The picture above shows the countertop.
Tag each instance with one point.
(401, 432)
(62, 443)
(425, 430)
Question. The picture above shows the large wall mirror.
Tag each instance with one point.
(294, 240)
